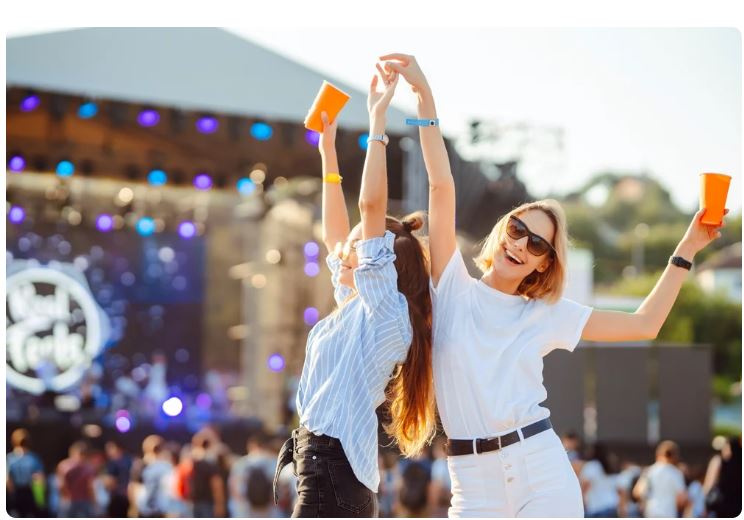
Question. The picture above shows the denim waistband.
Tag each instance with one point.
(303, 436)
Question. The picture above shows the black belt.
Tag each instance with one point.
(470, 446)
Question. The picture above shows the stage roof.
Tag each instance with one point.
(200, 69)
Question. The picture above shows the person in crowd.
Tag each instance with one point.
(572, 444)
(661, 487)
(695, 493)
(441, 484)
(172, 504)
(146, 491)
(207, 486)
(628, 505)
(722, 484)
(24, 477)
(118, 471)
(182, 480)
(380, 334)
(251, 479)
(496, 328)
(389, 483)
(599, 484)
(414, 490)
(75, 479)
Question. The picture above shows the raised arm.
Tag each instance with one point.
(646, 322)
(373, 194)
(335, 217)
(442, 242)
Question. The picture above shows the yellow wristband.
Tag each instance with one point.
(333, 178)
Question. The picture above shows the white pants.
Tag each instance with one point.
(531, 478)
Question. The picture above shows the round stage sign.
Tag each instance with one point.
(54, 328)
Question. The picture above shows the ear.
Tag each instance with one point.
(543, 266)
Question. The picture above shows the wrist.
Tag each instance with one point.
(686, 251)
(377, 125)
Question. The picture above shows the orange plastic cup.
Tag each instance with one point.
(331, 100)
(713, 191)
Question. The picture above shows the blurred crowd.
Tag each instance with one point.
(204, 478)
(668, 488)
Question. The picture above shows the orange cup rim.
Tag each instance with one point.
(713, 174)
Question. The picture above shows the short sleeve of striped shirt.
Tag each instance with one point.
(340, 292)
(375, 278)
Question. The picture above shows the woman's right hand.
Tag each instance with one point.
(407, 66)
(327, 142)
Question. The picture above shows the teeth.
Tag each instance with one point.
(514, 257)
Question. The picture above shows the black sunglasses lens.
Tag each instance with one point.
(516, 229)
(537, 246)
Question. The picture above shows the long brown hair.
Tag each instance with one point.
(410, 393)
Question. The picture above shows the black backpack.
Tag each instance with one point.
(259, 488)
(415, 484)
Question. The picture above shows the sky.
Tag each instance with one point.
(664, 101)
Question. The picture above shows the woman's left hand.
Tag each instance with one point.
(699, 235)
(378, 102)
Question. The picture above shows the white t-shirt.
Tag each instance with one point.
(662, 484)
(602, 493)
(488, 350)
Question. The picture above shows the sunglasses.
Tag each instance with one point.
(536, 244)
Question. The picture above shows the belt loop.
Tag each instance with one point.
(499, 438)
(475, 446)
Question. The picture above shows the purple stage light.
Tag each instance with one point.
(276, 363)
(104, 222)
(312, 137)
(207, 124)
(16, 214)
(202, 181)
(123, 424)
(311, 250)
(311, 316)
(30, 102)
(172, 407)
(16, 163)
(187, 229)
(312, 269)
(203, 401)
(148, 117)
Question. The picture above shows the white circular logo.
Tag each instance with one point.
(54, 329)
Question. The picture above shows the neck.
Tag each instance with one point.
(501, 284)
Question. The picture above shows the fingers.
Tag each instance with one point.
(382, 73)
(324, 118)
(404, 58)
(373, 83)
(395, 67)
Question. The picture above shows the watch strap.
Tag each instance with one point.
(680, 262)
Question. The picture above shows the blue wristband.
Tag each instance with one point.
(422, 122)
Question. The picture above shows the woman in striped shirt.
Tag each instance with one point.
(383, 321)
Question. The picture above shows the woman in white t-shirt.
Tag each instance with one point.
(491, 333)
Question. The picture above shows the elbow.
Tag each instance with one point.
(651, 334)
(367, 206)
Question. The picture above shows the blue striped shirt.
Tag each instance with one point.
(352, 353)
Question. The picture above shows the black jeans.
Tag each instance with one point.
(326, 486)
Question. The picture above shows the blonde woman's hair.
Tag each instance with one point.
(549, 284)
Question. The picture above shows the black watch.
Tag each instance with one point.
(680, 262)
